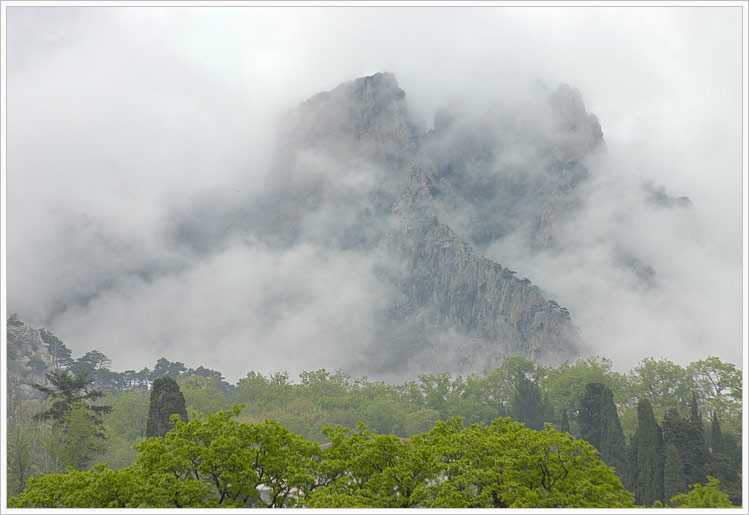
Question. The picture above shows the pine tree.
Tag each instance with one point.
(649, 482)
(166, 400)
(674, 480)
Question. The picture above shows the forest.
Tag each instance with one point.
(520, 435)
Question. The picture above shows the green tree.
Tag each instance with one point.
(565, 385)
(68, 390)
(62, 357)
(528, 406)
(702, 496)
(420, 421)
(164, 367)
(716, 435)
(649, 476)
(166, 400)
(674, 480)
(688, 438)
(600, 426)
(81, 441)
(202, 394)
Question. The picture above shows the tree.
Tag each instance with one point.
(527, 405)
(703, 496)
(166, 400)
(600, 426)
(674, 480)
(92, 360)
(649, 482)
(688, 438)
(565, 384)
(69, 390)
(202, 394)
(164, 367)
(62, 357)
(716, 435)
(77, 424)
(215, 461)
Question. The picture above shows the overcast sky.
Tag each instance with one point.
(120, 117)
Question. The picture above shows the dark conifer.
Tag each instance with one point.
(688, 438)
(527, 404)
(674, 480)
(600, 425)
(649, 482)
(166, 400)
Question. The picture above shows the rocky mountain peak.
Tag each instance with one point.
(577, 133)
(366, 115)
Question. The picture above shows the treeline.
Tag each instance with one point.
(216, 461)
(696, 412)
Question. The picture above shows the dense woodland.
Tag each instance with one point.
(668, 434)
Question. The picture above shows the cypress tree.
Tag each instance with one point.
(166, 400)
(600, 426)
(688, 438)
(674, 480)
(590, 414)
(527, 404)
(649, 476)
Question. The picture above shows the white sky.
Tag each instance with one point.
(118, 115)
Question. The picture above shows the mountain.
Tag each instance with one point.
(351, 161)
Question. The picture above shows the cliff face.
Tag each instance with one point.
(394, 190)
(28, 359)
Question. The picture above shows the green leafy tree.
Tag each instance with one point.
(81, 441)
(202, 394)
(166, 400)
(420, 421)
(565, 385)
(703, 496)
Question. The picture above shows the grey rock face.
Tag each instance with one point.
(28, 359)
(450, 308)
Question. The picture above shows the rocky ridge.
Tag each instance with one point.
(451, 308)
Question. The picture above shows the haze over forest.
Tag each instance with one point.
(145, 150)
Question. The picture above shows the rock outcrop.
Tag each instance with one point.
(450, 308)
(28, 359)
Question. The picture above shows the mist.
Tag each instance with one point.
(142, 174)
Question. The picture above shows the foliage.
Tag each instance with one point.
(600, 426)
(649, 476)
(565, 385)
(674, 480)
(166, 400)
(202, 394)
(68, 390)
(216, 461)
(62, 357)
(703, 496)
